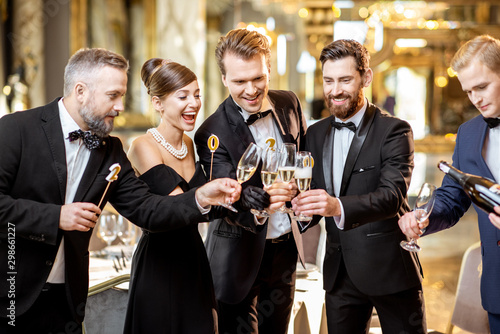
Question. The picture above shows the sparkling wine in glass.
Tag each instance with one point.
(246, 168)
(422, 210)
(286, 167)
(268, 173)
(303, 176)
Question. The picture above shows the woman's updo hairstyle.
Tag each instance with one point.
(162, 76)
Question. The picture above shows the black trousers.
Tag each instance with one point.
(267, 307)
(349, 310)
(49, 314)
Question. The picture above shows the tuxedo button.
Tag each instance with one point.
(49, 263)
(355, 225)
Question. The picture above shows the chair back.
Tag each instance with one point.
(106, 307)
(468, 313)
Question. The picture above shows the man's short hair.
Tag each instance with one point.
(84, 64)
(484, 48)
(343, 48)
(242, 43)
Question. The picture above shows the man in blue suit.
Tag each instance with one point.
(477, 64)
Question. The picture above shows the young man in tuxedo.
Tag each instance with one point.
(54, 161)
(362, 170)
(253, 260)
(477, 64)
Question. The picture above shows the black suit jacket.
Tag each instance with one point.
(373, 193)
(33, 178)
(235, 245)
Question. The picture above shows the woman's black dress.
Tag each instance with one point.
(171, 289)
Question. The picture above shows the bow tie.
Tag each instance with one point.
(91, 141)
(492, 122)
(259, 115)
(339, 125)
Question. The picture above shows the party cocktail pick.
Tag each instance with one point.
(213, 144)
(115, 169)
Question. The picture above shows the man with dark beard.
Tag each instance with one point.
(363, 165)
(54, 163)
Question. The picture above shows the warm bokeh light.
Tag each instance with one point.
(432, 25)
(363, 12)
(411, 42)
(6, 90)
(303, 13)
(450, 136)
(441, 81)
(337, 12)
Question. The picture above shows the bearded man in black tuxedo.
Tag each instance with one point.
(363, 165)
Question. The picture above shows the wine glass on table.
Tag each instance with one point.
(286, 168)
(108, 228)
(126, 231)
(423, 208)
(303, 176)
(268, 174)
(246, 168)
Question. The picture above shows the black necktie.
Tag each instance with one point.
(259, 115)
(492, 122)
(90, 140)
(339, 125)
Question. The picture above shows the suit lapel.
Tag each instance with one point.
(328, 158)
(483, 129)
(357, 143)
(89, 175)
(238, 126)
(281, 121)
(55, 138)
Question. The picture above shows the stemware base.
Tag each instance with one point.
(228, 206)
(410, 246)
(260, 213)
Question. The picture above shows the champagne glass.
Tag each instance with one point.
(107, 228)
(286, 168)
(303, 176)
(246, 168)
(268, 173)
(422, 210)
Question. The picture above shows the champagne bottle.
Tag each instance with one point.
(482, 191)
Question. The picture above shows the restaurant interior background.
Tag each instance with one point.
(411, 44)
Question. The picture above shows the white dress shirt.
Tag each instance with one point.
(263, 129)
(77, 158)
(341, 144)
(491, 151)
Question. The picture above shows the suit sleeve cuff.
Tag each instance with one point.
(340, 220)
(203, 210)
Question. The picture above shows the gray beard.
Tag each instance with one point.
(96, 125)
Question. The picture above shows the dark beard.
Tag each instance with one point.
(96, 125)
(346, 111)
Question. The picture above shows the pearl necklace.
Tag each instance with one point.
(179, 154)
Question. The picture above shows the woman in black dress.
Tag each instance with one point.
(171, 288)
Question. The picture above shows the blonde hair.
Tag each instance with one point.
(484, 48)
(242, 43)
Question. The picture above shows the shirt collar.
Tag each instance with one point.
(67, 122)
(356, 119)
(266, 105)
